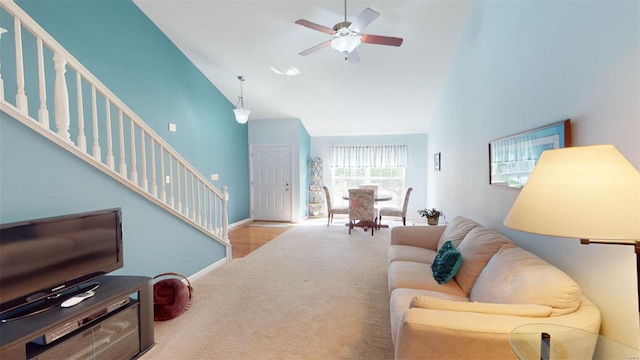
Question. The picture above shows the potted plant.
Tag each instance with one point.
(432, 215)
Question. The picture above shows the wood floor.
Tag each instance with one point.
(246, 239)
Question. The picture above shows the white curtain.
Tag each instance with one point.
(385, 156)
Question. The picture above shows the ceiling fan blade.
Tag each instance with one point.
(316, 48)
(381, 40)
(315, 26)
(365, 18)
(353, 57)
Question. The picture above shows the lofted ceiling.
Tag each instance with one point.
(392, 90)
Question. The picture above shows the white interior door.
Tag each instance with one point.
(271, 180)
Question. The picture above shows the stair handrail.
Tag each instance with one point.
(216, 228)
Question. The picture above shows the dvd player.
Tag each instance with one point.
(66, 328)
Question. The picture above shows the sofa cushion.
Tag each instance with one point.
(446, 264)
(516, 276)
(526, 310)
(400, 302)
(411, 253)
(477, 248)
(457, 230)
(413, 275)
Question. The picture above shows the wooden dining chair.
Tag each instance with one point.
(331, 209)
(396, 211)
(362, 209)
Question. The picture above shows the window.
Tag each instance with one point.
(391, 180)
(352, 166)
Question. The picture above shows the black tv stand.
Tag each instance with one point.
(119, 317)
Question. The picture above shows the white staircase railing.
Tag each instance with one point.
(104, 129)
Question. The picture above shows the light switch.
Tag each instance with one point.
(215, 177)
(172, 127)
(167, 179)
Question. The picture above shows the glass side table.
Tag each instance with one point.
(566, 343)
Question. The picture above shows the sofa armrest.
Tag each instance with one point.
(421, 236)
(438, 334)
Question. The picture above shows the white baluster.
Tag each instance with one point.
(198, 202)
(145, 181)
(2, 31)
(61, 97)
(82, 139)
(193, 197)
(21, 96)
(179, 195)
(97, 152)
(134, 163)
(43, 112)
(163, 179)
(210, 197)
(186, 193)
(171, 198)
(154, 180)
(123, 163)
(110, 159)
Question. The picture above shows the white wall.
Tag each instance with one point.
(416, 172)
(524, 64)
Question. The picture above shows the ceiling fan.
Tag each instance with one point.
(347, 36)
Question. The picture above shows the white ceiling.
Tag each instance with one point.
(392, 90)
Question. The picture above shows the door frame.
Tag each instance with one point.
(293, 186)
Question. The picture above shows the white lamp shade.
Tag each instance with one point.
(588, 192)
(242, 115)
(346, 44)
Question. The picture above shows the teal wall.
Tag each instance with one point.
(40, 179)
(140, 65)
(124, 49)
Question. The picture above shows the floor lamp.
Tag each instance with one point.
(590, 192)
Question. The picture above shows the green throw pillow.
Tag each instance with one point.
(446, 263)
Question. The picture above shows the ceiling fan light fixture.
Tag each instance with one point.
(346, 44)
(242, 114)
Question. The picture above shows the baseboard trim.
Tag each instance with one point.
(208, 269)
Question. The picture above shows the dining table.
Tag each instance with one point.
(380, 196)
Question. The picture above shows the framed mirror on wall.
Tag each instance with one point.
(512, 158)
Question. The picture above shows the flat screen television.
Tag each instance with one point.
(41, 258)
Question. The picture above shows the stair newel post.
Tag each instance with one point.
(21, 96)
(225, 220)
(2, 31)
(43, 112)
(143, 154)
(61, 97)
(82, 139)
(97, 152)
(134, 163)
(123, 157)
(110, 159)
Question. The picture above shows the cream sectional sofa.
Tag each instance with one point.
(497, 288)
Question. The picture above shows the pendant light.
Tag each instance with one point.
(242, 114)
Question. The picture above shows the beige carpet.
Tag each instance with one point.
(312, 293)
